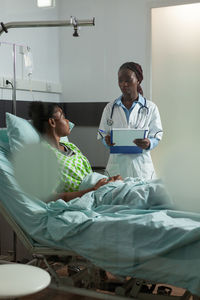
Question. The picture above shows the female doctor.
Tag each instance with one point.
(131, 110)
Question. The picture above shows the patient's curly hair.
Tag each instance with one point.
(137, 69)
(40, 112)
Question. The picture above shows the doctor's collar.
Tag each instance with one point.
(140, 100)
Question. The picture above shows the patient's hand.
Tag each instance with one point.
(116, 177)
(100, 183)
(104, 181)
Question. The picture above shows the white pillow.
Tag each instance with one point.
(20, 132)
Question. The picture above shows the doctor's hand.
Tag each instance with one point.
(142, 143)
(108, 140)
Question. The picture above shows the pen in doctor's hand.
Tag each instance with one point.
(106, 138)
(100, 132)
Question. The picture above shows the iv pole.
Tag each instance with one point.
(14, 98)
(72, 22)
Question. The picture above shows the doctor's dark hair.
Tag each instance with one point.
(137, 69)
(40, 113)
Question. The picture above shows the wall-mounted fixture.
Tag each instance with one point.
(74, 22)
(45, 3)
(27, 24)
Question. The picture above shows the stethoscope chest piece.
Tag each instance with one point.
(109, 122)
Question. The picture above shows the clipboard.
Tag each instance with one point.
(123, 139)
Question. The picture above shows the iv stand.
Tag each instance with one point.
(14, 81)
(72, 22)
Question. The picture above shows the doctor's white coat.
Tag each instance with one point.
(132, 165)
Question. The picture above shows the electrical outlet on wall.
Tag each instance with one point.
(25, 85)
(6, 82)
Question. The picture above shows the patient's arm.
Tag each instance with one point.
(67, 196)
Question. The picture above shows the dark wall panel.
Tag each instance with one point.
(5, 106)
(82, 114)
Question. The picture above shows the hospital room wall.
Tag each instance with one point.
(90, 62)
(44, 47)
(175, 85)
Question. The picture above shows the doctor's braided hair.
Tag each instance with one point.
(40, 113)
(137, 69)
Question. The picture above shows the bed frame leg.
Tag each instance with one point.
(38, 260)
(186, 296)
(131, 287)
(195, 297)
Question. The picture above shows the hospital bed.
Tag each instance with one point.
(91, 278)
(86, 274)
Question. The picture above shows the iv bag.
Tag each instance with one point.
(28, 61)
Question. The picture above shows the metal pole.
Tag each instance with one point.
(72, 22)
(14, 110)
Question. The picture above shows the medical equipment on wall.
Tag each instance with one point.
(27, 64)
(72, 22)
(141, 115)
(13, 81)
(28, 60)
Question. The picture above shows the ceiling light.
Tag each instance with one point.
(45, 3)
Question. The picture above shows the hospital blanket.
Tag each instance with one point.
(128, 228)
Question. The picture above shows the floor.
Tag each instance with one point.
(62, 270)
(49, 294)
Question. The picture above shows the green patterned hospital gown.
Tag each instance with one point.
(73, 168)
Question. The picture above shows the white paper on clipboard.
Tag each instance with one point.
(126, 136)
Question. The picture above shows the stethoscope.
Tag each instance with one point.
(141, 115)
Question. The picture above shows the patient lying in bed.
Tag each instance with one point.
(125, 227)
